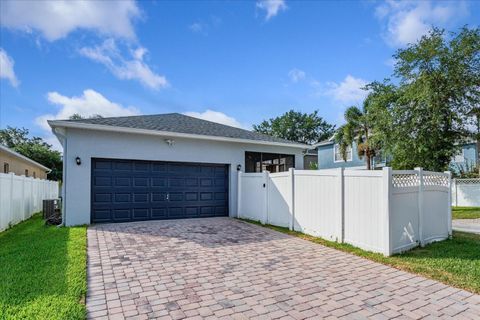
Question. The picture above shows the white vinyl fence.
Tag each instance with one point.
(466, 192)
(20, 197)
(381, 211)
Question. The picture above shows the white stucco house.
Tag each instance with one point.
(166, 166)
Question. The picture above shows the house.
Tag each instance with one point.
(468, 157)
(329, 157)
(165, 166)
(14, 162)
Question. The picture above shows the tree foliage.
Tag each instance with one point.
(77, 116)
(358, 129)
(423, 120)
(297, 126)
(34, 148)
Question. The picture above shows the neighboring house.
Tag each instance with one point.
(329, 157)
(166, 166)
(467, 158)
(14, 162)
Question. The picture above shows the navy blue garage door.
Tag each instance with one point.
(132, 190)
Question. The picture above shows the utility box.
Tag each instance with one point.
(51, 211)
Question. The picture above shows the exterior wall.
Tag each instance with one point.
(88, 144)
(326, 159)
(467, 157)
(18, 166)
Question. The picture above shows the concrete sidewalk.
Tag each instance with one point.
(467, 225)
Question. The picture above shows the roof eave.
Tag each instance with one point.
(18, 155)
(88, 126)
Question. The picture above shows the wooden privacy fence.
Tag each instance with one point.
(22, 196)
(386, 211)
(466, 192)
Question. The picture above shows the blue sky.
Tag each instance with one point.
(235, 62)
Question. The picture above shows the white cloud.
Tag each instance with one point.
(6, 68)
(347, 91)
(197, 27)
(215, 116)
(296, 75)
(133, 68)
(272, 7)
(89, 103)
(56, 19)
(407, 21)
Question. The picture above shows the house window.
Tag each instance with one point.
(337, 156)
(26, 172)
(6, 167)
(272, 162)
(34, 174)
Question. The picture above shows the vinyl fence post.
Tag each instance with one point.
(420, 205)
(266, 176)
(10, 213)
(341, 179)
(23, 197)
(456, 192)
(449, 212)
(387, 195)
(239, 193)
(291, 201)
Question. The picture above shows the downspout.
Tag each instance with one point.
(63, 140)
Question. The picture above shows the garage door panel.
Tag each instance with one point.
(159, 182)
(102, 181)
(140, 182)
(159, 196)
(121, 215)
(141, 213)
(175, 212)
(130, 190)
(123, 197)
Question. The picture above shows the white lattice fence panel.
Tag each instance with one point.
(404, 180)
(440, 180)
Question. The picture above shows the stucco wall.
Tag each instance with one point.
(88, 144)
(18, 166)
(326, 160)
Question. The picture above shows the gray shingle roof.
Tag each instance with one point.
(179, 123)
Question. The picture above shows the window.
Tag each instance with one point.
(6, 167)
(337, 157)
(26, 172)
(272, 162)
(34, 174)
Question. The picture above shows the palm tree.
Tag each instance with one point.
(358, 128)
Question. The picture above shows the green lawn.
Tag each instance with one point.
(42, 271)
(455, 262)
(466, 212)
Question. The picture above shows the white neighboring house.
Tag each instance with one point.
(166, 166)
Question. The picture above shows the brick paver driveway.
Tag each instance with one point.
(223, 268)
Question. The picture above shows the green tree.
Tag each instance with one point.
(297, 126)
(426, 117)
(358, 129)
(34, 148)
(77, 116)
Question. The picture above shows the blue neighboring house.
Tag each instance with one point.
(329, 157)
(467, 158)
